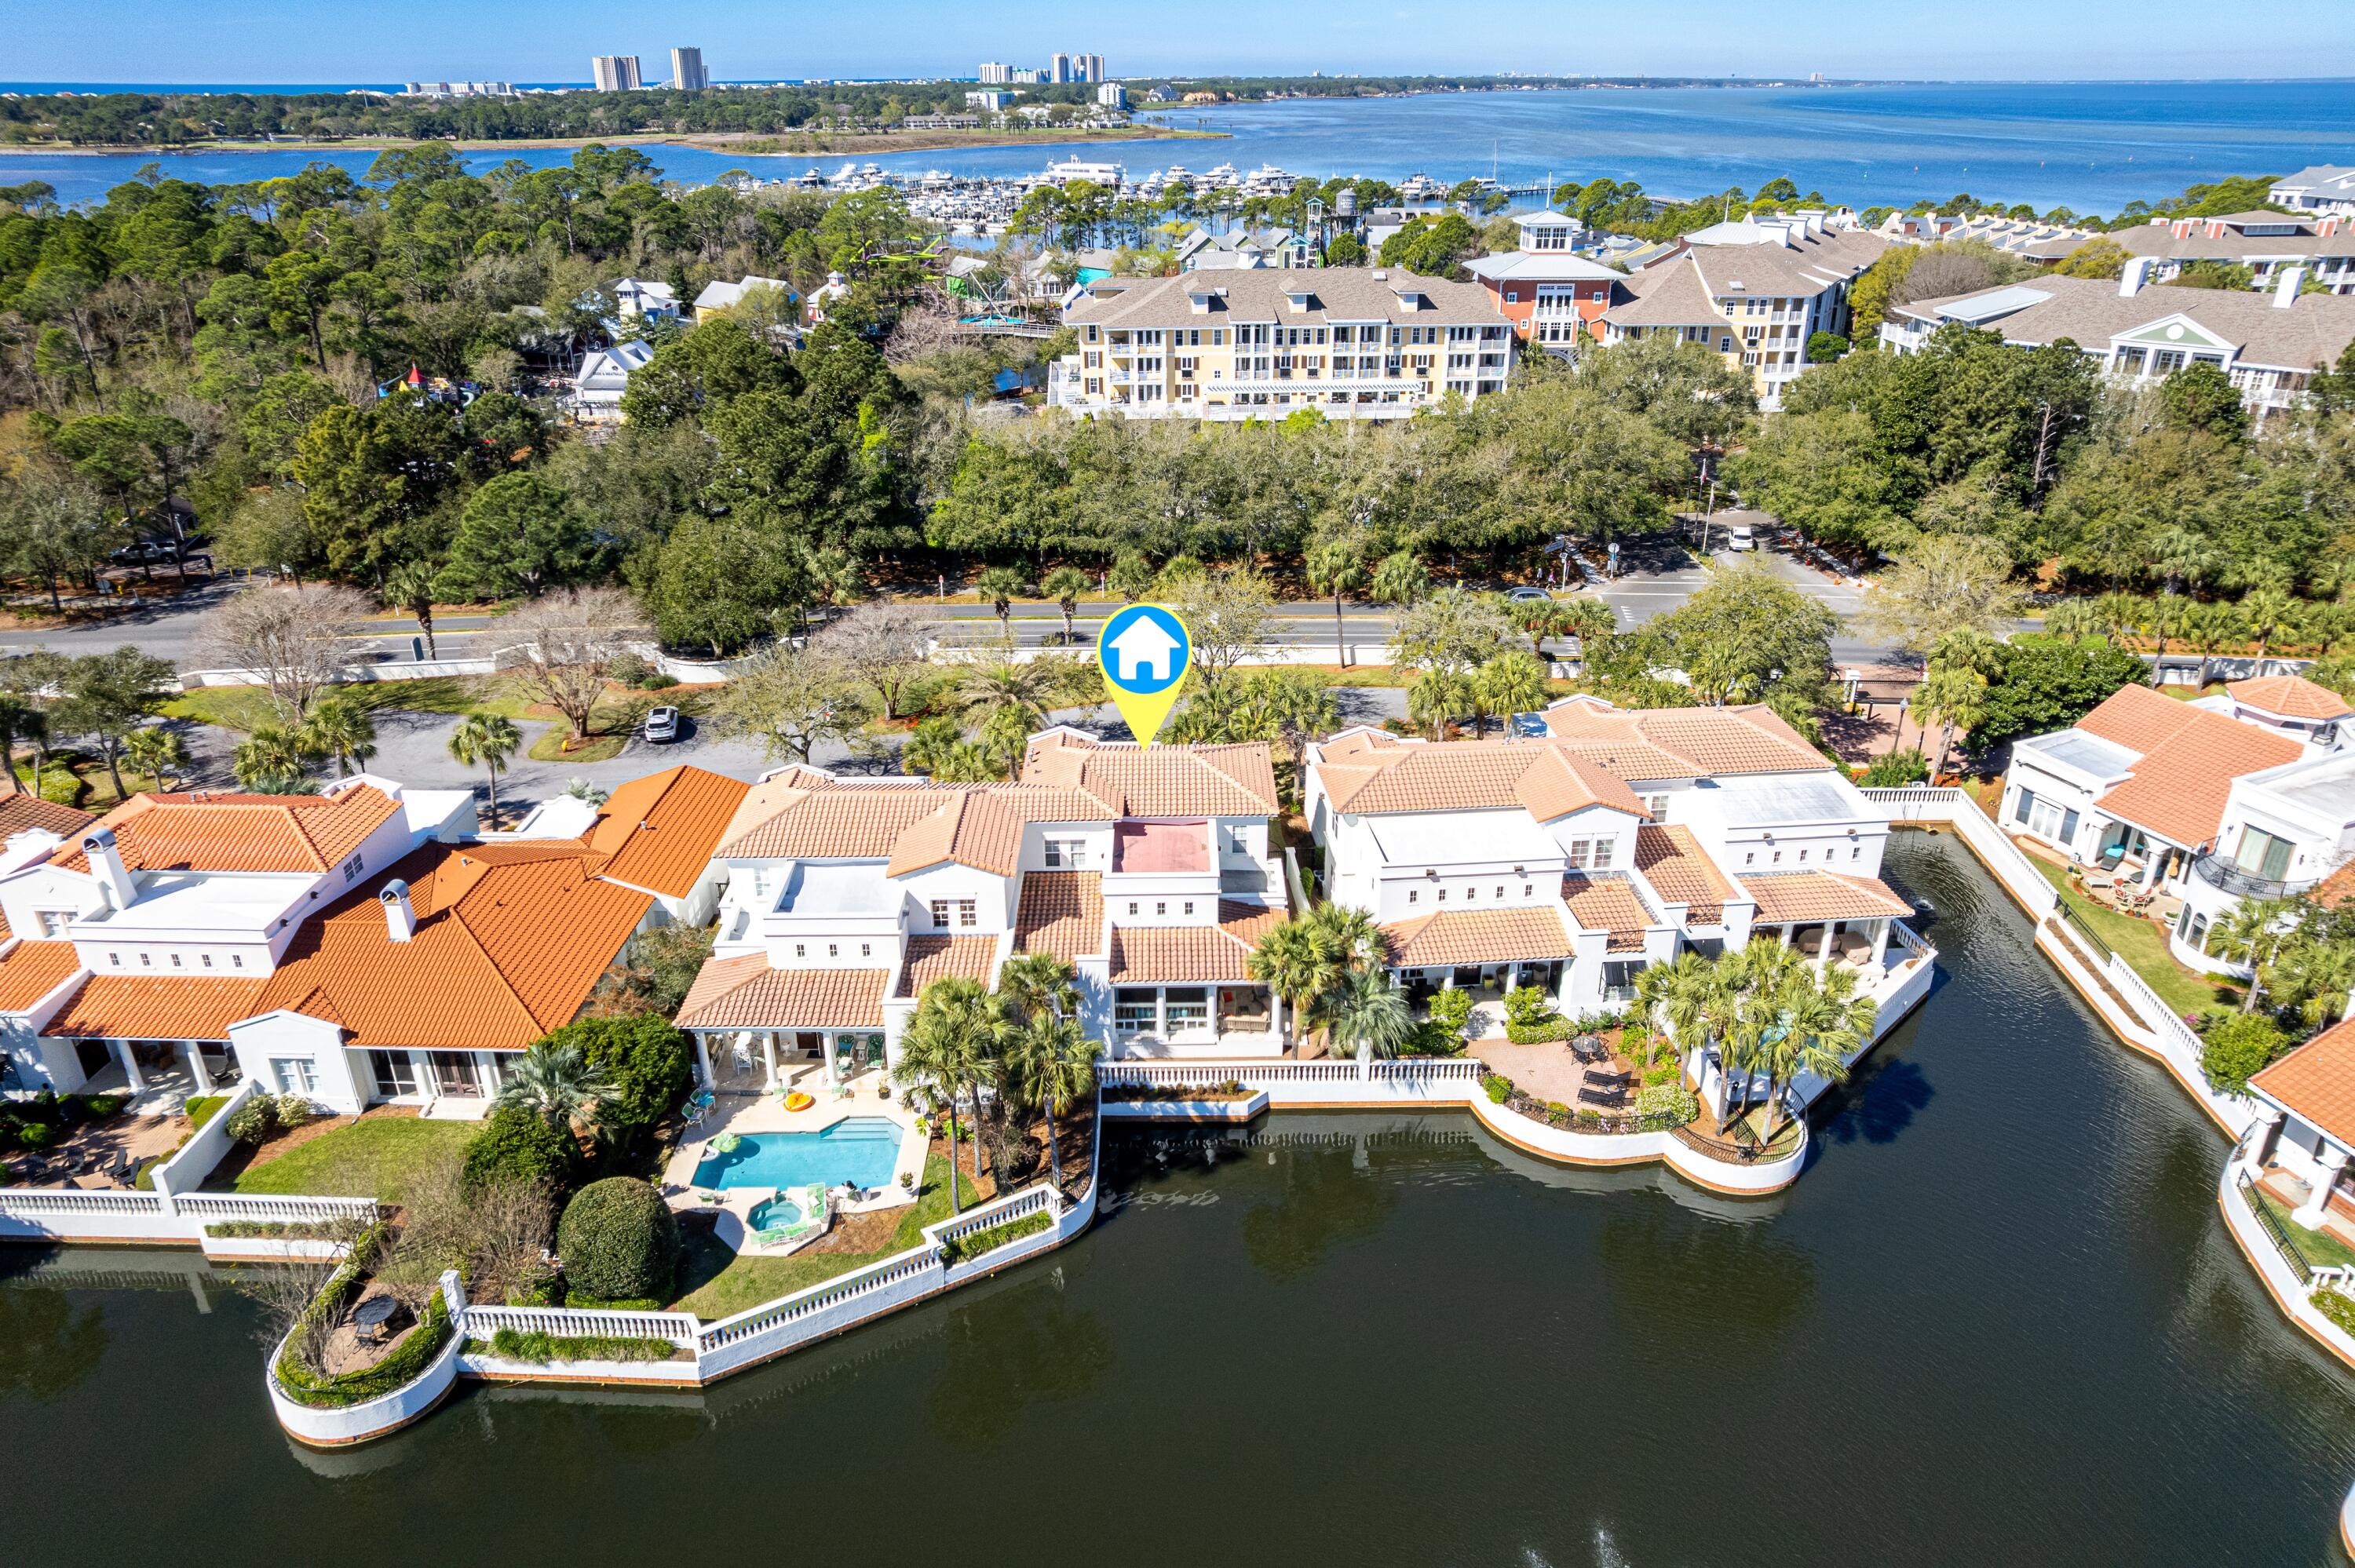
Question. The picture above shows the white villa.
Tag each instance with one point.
(2246, 795)
(1148, 869)
(1576, 860)
(603, 377)
(359, 945)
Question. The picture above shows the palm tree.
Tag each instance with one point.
(1299, 962)
(342, 728)
(19, 720)
(1057, 1064)
(410, 587)
(2071, 618)
(1400, 578)
(2255, 930)
(1366, 1016)
(2210, 629)
(1064, 585)
(1684, 995)
(155, 751)
(1510, 683)
(276, 759)
(1001, 586)
(1039, 985)
(950, 1043)
(988, 690)
(1438, 696)
(1953, 695)
(2268, 613)
(558, 1083)
(1337, 564)
(1822, 1023)
(1590, 622)
(1351, 933)
(487, 739)
(2171, 616)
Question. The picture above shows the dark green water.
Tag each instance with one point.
(1997, 1322)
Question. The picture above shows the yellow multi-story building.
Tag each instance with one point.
(1351, 343)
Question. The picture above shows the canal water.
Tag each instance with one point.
(1997, 1321)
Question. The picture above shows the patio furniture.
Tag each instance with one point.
(372, 1316)
(1609, 1080)
(1613, 1098)
(1590, 1048)
(2095, 880)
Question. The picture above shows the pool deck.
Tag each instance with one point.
(861, 1097)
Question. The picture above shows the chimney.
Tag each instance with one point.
(106, 865)
(2285, 291)
(399, 914)
(2136, 273)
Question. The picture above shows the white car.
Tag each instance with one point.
(1521, 595)
(1741, 537)
(662, 725)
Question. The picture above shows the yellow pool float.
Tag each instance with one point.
(798, 1101)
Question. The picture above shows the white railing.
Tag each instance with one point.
(1925, 803)
(1254, 1074)
(41, 1202)
(265, 1208)
(917, 1264)
(584, 1323)
(997, 1212)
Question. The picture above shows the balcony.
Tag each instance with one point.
(2226, 877)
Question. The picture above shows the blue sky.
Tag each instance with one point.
(552, 40)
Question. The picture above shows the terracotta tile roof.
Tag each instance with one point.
(932, 958)
(20, 812)
(1060, 912)
(511, 940)
(239, 833)
(1681, 872)
(145, 1007)
(846, 821)
(2290, 696)
(1607, 903)
(1589, 757)
(1179, 955)
(2189, 757)
(2316, 1082)
(748, 994)
(1476, 937)
(983, 826)
(2337, 888)
(659, 832)
(1804, 895)
(30, 971)
(1157, 780)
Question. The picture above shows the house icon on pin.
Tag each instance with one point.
(1141, 652)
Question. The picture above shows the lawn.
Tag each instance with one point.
(244, 708)
(372, 1158)
(2144, 946)
(718, 1284)
(2320, 1249)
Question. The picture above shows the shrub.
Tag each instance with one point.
(407, 1362)
(37, 1134)
(521, 1345)
(1499, 1087)
(628, 670)
(660, 681)
(98, 1107)
(540, 1286)
(292, 1111)
(646, 1060)
(202, 1108)
(618, 1240)
(1896, 770)
(516, 1144)
(2337, 1306)
(1437, 1040)
(974, 1243)
(2237, 1046)
(1667, 1100)
(254, 1121)
(1528, 1004)
(1451, 1008)
(1666, 1073)
(1537, 1033)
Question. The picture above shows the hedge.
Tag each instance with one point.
(521, 1345)
(404, 1366)
(618, 1238)
(277, 1230)
(973, 1244)
(1538, 1033)
(202, 1108)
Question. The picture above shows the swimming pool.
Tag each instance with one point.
(861, 1151)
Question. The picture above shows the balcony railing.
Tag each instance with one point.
(2229, 878)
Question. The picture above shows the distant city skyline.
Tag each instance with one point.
(282, 41)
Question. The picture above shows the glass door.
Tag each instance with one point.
(454, 1076)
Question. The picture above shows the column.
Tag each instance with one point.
(1823, 948)
(1274, 1013)
(1881, 941)
(2310, 1213)
(833, 1069)
(421, 1063)
(197, 1069)
(131, 1073)
(769, 1057)
(2154, 862)
(703, 1059)
(2262, 1133)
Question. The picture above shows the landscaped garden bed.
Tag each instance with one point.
(539, 1349)
(979, 1243)
(1201, 1094)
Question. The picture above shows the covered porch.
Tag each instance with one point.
(1831, 920)
(156, 1078)
(759, 1030)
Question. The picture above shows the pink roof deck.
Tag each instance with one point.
(1161, 847)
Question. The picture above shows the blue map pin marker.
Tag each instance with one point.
(1146, 652)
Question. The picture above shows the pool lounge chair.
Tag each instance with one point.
(1612, 1099)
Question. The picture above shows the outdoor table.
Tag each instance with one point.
(370, 1316)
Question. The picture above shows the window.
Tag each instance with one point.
(940, 912)
(353, 867)
(1133, 1010)
(832, 951)
(1603, 854)
(1579, 850)
(207, 959)
(394, 1072)
(1132, 906)
(1856, 852)
(1500, 892)
(1067, 853)
(176, 960)
(1412, 895)
(2263, 854)
(801, 949)
(116, 959)
(1658, 805)
(1750, 858)
(1802, 857)
(865, 949)
(296, 1074)
(1471, 894)
(968, 913)
(53, 922)
(146, 960)
(1777, 859)
(1527, 889)
(1189, 906)
(237, 960)
(1442, 896)
(1160, 907)
(1187, 1007)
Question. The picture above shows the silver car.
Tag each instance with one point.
(662, 725)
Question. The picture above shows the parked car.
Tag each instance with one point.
(662, 725)
(1741, 537)
(1520, 594)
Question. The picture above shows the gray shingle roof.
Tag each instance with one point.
(1336, 294)
(2311, 331)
